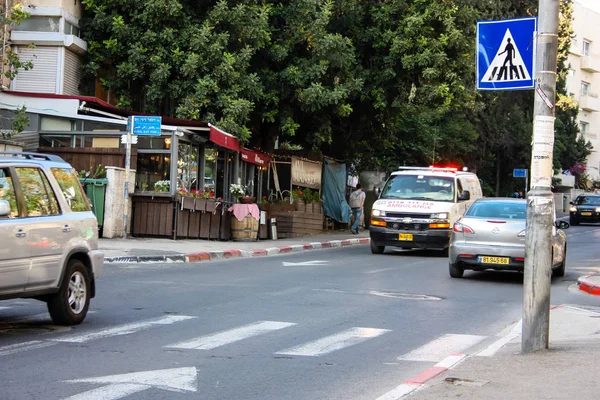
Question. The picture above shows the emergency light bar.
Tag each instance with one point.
(441, 169)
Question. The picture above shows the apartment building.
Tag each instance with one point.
(53, 30)
(583, 81)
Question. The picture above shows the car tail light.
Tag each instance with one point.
(458, 227)
(519, 259)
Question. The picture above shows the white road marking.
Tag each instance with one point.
(303, 263)
(174, 380)
(439, 348)
(209, 342)
(375, 271)
(514, 333)
(399, 392)
(25, 346)
(335, 342)
(122, 329)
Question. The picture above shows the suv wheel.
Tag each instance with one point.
(376, 249)
(455, 271)
(70, 305)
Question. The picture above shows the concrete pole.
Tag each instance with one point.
(540, 200)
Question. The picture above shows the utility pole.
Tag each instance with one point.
(540, 200)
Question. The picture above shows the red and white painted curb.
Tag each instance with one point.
(219, 255)
(419, 380)
(589, 284)
(203, 256)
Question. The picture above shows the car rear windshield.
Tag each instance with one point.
(588, 201)
(419, 187)
(71, 188)
(498, 209)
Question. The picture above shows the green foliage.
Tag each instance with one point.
(18, 122)
(12, 63)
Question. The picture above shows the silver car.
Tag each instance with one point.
(49, 236)
(491, 235)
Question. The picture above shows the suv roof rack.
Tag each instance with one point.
(33, 156)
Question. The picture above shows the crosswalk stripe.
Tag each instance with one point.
(209, 342)
(439, 348)
(335, 342)
(20, 347)
(124, 329)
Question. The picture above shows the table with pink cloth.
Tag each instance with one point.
(241, 211)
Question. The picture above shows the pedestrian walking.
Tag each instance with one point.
(357, 201)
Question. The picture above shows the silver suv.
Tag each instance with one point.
(49, 236)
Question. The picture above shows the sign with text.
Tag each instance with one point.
(253, 157)
(519, 173)
(306, 173)
(142, 125)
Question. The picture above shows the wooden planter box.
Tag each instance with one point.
(299, 223)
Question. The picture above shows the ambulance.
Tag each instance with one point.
(418, 206)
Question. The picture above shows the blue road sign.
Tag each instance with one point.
(519, 173)
(506, 54)
(141, 125)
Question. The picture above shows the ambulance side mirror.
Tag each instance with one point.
(465, 195)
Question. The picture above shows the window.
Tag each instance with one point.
(586, 47)
(7, 192)
(419, 187)
(39, 24)
(584, 127)
(71, 188)
(55, 141)
(39, 197)
(71, 29)
(187, 167)
(585, 88)
(150, 169)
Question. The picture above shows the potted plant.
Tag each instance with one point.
(241, 193)
(209, 197)
(187, 199)
(162, 186)
(200, 201)
(298, 196)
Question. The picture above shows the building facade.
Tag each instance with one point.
(583, 81)
(50, 39)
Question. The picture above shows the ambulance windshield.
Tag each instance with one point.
(419, 187)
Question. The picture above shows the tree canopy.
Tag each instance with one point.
(379, 83)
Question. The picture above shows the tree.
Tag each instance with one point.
(11, 62)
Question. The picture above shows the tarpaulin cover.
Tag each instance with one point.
(334, 191)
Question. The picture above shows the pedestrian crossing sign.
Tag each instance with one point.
(506, 54)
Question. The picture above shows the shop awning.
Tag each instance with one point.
(254, 157)
(223, 139)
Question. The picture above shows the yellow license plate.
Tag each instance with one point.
(405, 237)
(494, 260)
(586, 214)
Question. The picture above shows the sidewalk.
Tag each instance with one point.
(568, 370)
(167, 250)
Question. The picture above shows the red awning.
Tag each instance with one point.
(254, 157)
(223, 139)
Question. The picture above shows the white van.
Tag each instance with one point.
(418, 207)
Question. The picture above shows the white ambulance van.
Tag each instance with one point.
(418, 206)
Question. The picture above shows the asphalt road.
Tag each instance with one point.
(324, 324)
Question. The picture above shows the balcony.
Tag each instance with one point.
(591, 63)
(589, 102)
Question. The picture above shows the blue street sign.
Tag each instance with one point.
(519, 173)
(141, 125)
(506, 54)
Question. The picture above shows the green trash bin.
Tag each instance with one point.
(96, 190)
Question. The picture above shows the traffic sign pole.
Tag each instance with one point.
(540, 200)
(127, 172)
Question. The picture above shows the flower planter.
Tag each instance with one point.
(300, 205)
(187, 203)
(200, 205)
(211, 206)
(246, 200)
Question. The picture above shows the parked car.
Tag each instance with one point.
(585, 208)
(49, 236)
(491, 235)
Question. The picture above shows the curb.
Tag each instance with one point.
(204, 256)
(588, 286)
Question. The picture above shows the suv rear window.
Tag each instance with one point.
(71, 189)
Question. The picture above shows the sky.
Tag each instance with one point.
(593, 5)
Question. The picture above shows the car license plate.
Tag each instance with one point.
(493, 260)
(405, 237)
(586, 214)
